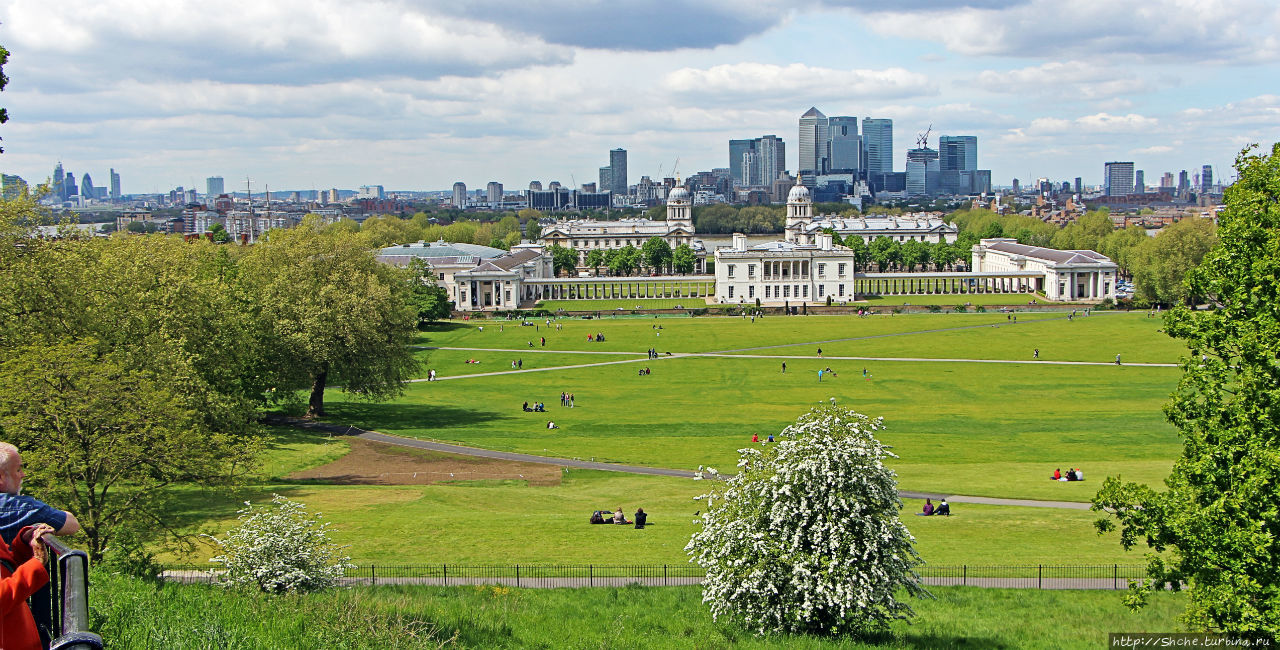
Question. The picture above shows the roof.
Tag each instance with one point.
(443, 249)
(505, 263)
(1049, 254)
(866, 224)
(812, 112)
(593, 228)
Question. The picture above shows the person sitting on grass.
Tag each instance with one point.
(928, 509)
(641, 517)
(943, 509)
(552, 425)
(596, 517)
(619, 518)
(526, 408)
(1057, 474)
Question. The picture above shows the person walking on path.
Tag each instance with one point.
(519, 363)
(1036, 354)
(1117, 359)
(784, 367)
(819, 353)
(819, 375)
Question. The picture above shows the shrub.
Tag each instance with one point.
(280, 548)
(961, 309)
(934, 309)
(806, 537)
(980, 309)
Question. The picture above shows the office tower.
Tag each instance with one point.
(922, 171)
(535, 186)
(1016, 187)
(69, 185)
(957, 154)
(1206, 179)
(846, 145)
(57, 188)
(12, 186)
(740, 171)
(877, 139)
(981, 181)
(1166, 181)
(494, 190)
(617, 172)
(86, 187)
(1139, 182)
(115, 185)
(772, 158)
(606, 177)
(371, 192)
(1079, 185)
(555, 185)
(813, 142)
(1184, 184)
(1117, 178)
(460, 195)
(214, 187)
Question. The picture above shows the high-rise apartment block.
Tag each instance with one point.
(1118, 178)
(1139, 182)
(877, 139)
(758, 162)
(617, 173)
(814, 137)
(1206, 179)
(494, 191)
(115, 185)
(957, 163)
(214, 187)
(606, 177)
(460, 195)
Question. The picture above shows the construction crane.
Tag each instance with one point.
(922, 142)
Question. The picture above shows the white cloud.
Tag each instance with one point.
(1068, 80)
(796, 82)
(1153, 150)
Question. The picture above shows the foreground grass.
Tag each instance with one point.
(133, 614)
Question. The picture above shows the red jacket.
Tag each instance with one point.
(17, 627)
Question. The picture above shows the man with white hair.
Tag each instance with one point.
(16, 510)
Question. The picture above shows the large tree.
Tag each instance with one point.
(683, 259)
(4, 81)
(1217, 527)
(1160, 264)
(430, 300)
(563, 260)
(334, 313)
(657, 254)
(806, 537)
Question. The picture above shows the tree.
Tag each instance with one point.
(914, 252)
(884, 252)
(656, 253)
(220, 234)
(1160, 264)
(4, 81)
(334, 312)
(563, 260)
(106, 440)
(861, 254)
(625, 260)
(282, 548)
(683, 259)
(430, 300)
(1216, 524)
(595, 258)
(806, 537)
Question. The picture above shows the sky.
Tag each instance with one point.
(417, 94)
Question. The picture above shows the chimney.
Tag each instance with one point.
(824, 241)
(739, 242)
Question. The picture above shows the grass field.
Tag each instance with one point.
(624, 304)
(133, 614)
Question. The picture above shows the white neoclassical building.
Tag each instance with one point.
(585, 235)
(910, 227)
(1062, 275)
(480, 278)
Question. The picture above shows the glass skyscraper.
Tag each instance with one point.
(846, 145)
(1118, 177)
(813, 142)
(617, 172)
(877, 140)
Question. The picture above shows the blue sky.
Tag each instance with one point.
(416, 94)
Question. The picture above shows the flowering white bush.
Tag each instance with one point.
(279, 548)
(806, 537)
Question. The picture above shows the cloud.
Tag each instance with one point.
(1152, 150)
(1092, 124)
(1069, 80)
(795, 82)
(1227, 31)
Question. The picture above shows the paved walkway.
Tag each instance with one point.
(415, 443)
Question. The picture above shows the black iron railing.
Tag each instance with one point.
(64, 610)
(1033, 576)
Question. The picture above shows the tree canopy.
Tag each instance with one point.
(1216, 528)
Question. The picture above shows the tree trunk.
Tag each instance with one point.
(315, 407)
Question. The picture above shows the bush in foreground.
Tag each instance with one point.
(281, 548)
(806, 537)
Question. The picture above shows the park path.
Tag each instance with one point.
(374, 436)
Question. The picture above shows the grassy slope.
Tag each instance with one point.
(135, 615)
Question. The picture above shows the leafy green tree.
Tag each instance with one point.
(914, 253)
(657, 254)
(334, 312)
(281, 548)
(4, 81)
(220, 234)
(430, 300)
(595, 259)
(532, 225)
(563, 260)
(683, 259)
(1120, 246)
(1160, 264)
(1215, 526)
(806, 536)
(106, 440)
(625, 261)
(884, 252)
(861, 253)
(992, 230)
(141, 227)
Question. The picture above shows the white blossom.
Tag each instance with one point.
(281, 548)
(806, 537)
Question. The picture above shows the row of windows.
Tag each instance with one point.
(787, 291)
(619, 243)
(822, 271)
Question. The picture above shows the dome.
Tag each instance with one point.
(798, 193)
(678, 194)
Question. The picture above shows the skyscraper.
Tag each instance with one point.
(606, 178)
(69, 185)
(877, 139)
(214, 187)
(460, 195)
(115, 185)
(494, 190)
(737, 150)
(757, 162)
(1079, 185)
(1139, 182)
(813, 142)
(846, 145)
(772, 158)
(58, 190)
(922, 171)
(1118, 178)
(1206, 179)
(957, 155)
(617, 172)
(1184, 183)
(86, 187)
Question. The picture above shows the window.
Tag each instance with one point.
(751, 291)
(731, 292)
(767, 292)
(442, 276)
(730, 267)
(840, 268)
(821, 289)
(806, 291)
(751, 270)
(842, 289)
(822, 270)
(786, 291)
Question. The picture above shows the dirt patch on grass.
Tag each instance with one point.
(373, 463)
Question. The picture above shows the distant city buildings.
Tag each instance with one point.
(1118, 178)
(460, 195)
(813, 139)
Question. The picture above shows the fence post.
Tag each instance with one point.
(664, 575)
(1115, 577)
(591, 575)
(373, 574)
(964, 575)
(517, 576)
(446, 574)
(1040, 577)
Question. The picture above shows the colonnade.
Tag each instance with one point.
(909, 286)
(597, 289)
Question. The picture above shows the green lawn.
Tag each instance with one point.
(133, 614)
(625, 304)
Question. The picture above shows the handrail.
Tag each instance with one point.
(69, 580)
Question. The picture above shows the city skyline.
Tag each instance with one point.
(416, 97)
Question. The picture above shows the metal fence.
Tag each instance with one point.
(63, 609)
(1043, 576)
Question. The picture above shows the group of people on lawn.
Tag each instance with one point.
(941, 509)
(617, 517)
(1072, 474)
